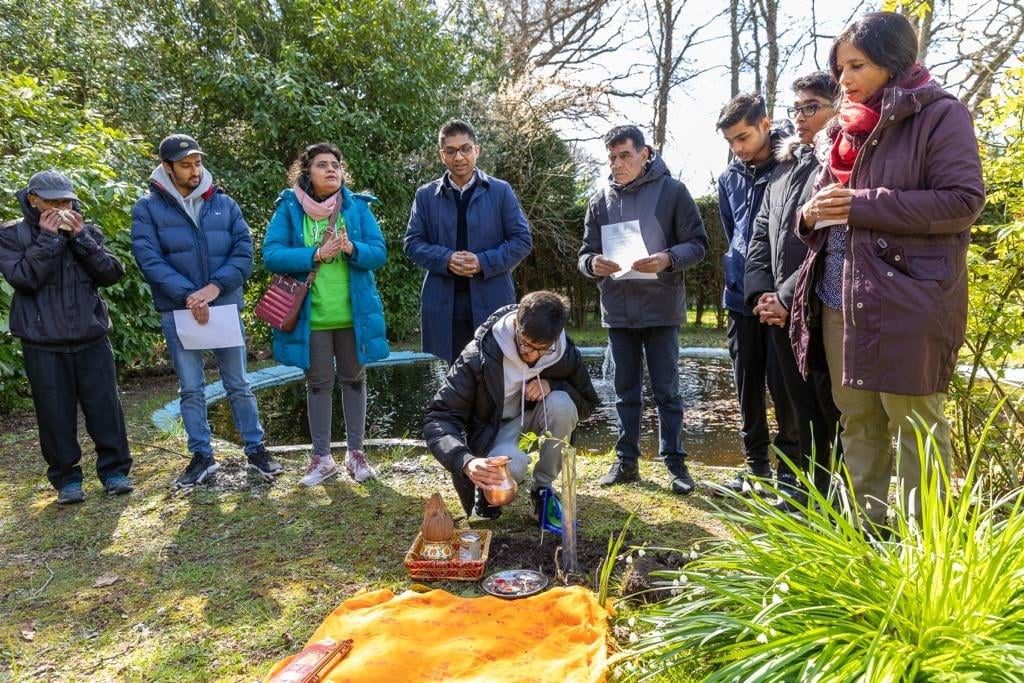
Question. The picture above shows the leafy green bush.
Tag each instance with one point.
(811, 597)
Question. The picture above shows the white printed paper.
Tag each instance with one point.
(822, 224)
(222, 331)
(623, 243)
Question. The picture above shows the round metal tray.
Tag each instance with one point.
(514, 583)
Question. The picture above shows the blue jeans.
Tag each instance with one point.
(660, 346)
(188, 365)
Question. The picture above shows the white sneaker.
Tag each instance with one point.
(320, 467)
(358, 468)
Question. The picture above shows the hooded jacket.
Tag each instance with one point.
(741, 188)
(56, 303)
(465, 415)
(179, 254)
(775, 251)
(917, 189)
(669, 223)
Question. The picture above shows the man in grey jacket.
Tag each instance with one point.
(643, 313)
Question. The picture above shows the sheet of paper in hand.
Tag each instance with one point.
(221, 331)
(623, 243)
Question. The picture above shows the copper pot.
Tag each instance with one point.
(504, 493)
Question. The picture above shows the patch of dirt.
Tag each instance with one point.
(524, 550)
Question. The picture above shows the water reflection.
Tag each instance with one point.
(398, 394)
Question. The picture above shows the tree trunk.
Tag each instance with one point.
(734, 48)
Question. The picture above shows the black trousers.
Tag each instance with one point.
(60, 382)
(753, 366)
(462, 323)
(816, 412)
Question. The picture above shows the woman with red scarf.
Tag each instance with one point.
(881, 297)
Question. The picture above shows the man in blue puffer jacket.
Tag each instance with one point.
(194, 249)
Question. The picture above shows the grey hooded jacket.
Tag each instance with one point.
(669, 222)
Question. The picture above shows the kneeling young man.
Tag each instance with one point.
(521, 373)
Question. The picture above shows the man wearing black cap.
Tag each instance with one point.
(195, 251)
(55, 261)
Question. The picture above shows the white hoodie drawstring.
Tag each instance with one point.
(522, 405)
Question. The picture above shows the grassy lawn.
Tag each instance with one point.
(219, 584)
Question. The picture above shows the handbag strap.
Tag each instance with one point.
(323, 240)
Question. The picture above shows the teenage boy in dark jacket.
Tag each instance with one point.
(195, 251)
(521, 373)
(773, 263)
(56, 261)
(745, 125)
(643, 313)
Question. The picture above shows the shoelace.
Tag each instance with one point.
(358, 459)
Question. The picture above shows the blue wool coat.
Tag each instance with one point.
(284, 251)
(498, 234)
(177, 257)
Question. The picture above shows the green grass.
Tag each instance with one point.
(219, 584)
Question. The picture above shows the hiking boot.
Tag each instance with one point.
(70, 494)
(485, 509)
(621, 472)
(748, 481)
(261, 462)
(197, 471)
(679, 479)
(358, 468)
(536, 503)
(320, 467)
(118, 485)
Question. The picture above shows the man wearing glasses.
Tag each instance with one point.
(773, 262)
(523, 374)
(644, 302)
(468, 231)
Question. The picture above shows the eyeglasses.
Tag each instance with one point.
(525, 347)
(452, 152)
(806, 110)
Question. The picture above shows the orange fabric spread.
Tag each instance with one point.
(558, 635)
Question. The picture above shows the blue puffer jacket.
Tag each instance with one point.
(740, 191)
(177, 257)
(285, 251)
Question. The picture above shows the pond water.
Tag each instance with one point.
(398, 394)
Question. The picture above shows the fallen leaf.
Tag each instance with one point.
(106, 580)
(28, 630)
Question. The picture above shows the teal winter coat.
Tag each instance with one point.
(285, 252)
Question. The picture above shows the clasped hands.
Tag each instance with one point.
(198, 302)
(337, 242)
(830, 203)
(464, 263)
(655, 263)
(50, 220)
(770, 310)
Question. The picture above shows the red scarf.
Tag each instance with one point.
(856, 121)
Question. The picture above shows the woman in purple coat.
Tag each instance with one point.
(882, 294)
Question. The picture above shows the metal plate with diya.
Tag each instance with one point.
(514, 583)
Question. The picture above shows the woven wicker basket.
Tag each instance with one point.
(448, 570)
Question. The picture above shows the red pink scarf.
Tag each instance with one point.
(856, 121)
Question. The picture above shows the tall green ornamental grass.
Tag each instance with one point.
(809, 597)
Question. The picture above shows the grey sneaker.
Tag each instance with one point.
(70, 494)
(358, 468)
(320, 467)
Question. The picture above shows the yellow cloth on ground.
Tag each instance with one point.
(558, 635)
